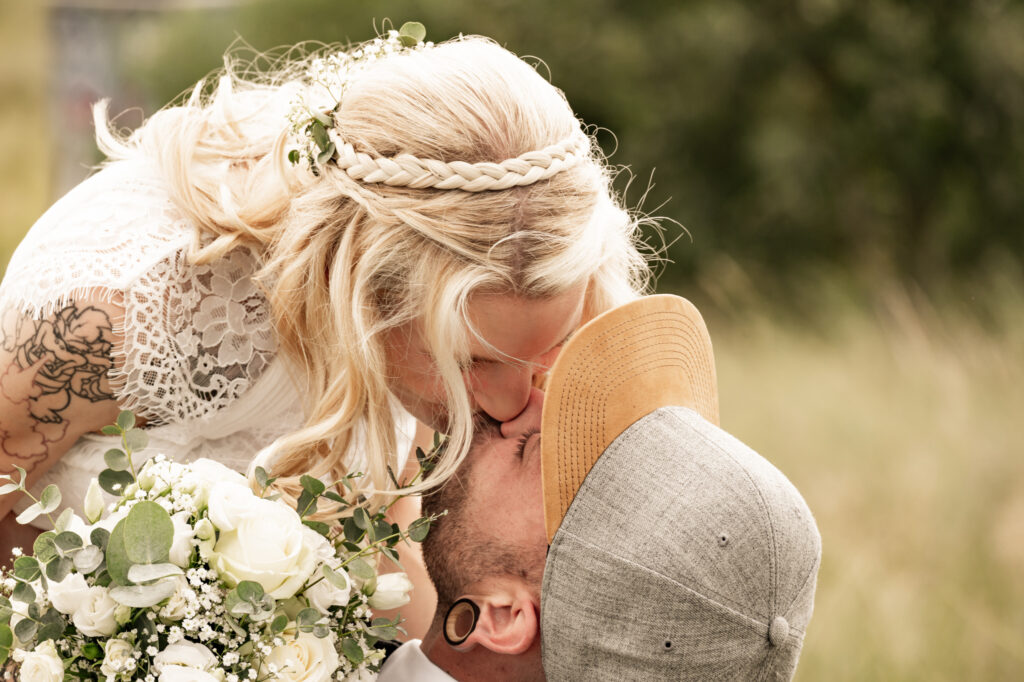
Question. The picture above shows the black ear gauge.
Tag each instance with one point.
(460, 621)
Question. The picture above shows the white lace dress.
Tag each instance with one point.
(199, 360)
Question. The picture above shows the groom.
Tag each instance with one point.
(616, 532)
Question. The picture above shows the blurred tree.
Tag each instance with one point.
(879, 136)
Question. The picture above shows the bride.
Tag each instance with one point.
(319, 256)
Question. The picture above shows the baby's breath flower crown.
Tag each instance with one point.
(321, 143)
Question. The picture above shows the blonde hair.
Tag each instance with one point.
(345, 261)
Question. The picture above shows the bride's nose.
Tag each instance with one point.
(528, 419)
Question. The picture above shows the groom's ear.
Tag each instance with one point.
(509, 623)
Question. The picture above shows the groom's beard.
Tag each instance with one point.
(456, 551)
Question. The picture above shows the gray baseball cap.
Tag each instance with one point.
(676, 551)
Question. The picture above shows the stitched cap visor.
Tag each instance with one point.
(617, 368)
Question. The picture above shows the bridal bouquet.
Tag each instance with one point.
(192, 576)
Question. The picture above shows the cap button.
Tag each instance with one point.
(778, 631)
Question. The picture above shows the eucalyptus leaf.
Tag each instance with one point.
(6, 611)
(143, 596)
(419, 529)
(148, 533)
(35, 611)
(116, 459)
(125, 420)
(279, 624)
(64, 520)
(319, 132)
(293, 157)
(50, 498)
(24, 592)
(312, 484)
(51, 625)
(144, 573)
(111, 430)
(307, 617)
(27, 568)
(321, 630)
(92, 651)
(260, 473)
(361, 569)
(118, 562)
(135, 440)
(385, 632)
(335, 577)
(319, 526)
(9, 488)
(68, 540)
(353, 533)
(335, 497)
(353, 652)
(306, 504)
(88, 560)
(100, 537)
(44, 547)
(326, 155)
(6, 636)
(323, 119)
(250, 591)
(25, 630)
(59, 568)
(361, 517)
(411, 33)
(114, 482)
(30, 514)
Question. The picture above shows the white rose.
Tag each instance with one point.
(392, 591)
(67, 595)
(175, 608)
(181, 546)
(41, 665)
(207, 536)
(260, 540)
(118, 658)
(306, 659)
(95, 615)
(325, 594)
(187, 662)
(203, 474)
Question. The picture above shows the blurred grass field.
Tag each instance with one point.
(898, 419)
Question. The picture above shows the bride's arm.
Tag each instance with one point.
(54, 385)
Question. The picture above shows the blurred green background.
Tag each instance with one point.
(841, 187)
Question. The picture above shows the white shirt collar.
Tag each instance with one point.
(409, 664)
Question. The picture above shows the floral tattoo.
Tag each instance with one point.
(67, 354)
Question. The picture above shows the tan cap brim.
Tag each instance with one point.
(622, 365)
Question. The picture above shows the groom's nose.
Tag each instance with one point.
(528, 419)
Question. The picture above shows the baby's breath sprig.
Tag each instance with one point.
(334, 73)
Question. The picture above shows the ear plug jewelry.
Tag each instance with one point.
(460, 621)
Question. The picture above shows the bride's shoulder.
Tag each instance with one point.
(104, 233)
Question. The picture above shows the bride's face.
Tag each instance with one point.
(519, 339)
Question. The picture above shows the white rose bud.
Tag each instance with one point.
(67, 595)
(260, 540)
(203, 474)
(95, 616)
(305, 659)
(122, 614)
(181, 547)
(392, 591)
(93, 506)
(207, 536)
(41, 665)
(118, 658)
(175, 608)
(146, 478)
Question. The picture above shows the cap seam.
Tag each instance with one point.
(773, 559)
